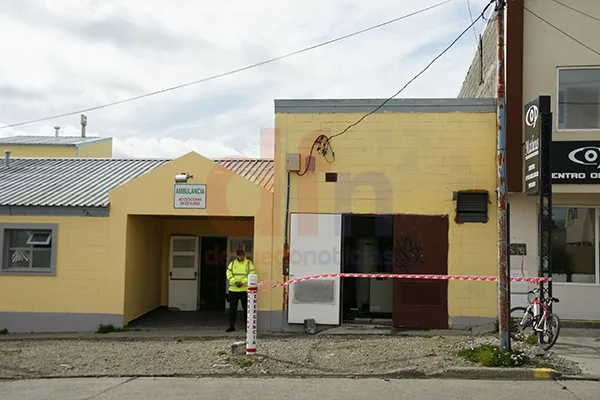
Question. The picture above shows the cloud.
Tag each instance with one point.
(70, 55)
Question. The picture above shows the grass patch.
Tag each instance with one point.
(531, 340)
(514, 327)
(240, 361)
(491, 356)
(4, 331)
(111, 328)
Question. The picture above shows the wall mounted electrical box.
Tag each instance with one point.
(292, 162)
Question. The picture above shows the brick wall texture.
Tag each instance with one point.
(401, 163)
(480, 81)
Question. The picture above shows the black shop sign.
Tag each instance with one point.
(576, 162)
(537, 134)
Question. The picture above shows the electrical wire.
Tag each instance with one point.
(416, 76)
(260, 64)
(471, 16)
(576, 10)
(557, 28)
(322, 142)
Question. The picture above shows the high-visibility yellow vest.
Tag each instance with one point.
(238, 271)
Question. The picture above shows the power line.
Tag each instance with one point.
(471, 16)
(557, 28)
(416, 76)
(576, 10)
(323, 143)
(230, 72)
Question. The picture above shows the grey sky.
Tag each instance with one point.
(67, 55)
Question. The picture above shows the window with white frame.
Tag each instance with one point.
(574, 243)
(579, 98)
(28, 249)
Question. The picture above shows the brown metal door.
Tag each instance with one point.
(420, 247)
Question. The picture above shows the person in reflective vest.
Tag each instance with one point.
(237, 277)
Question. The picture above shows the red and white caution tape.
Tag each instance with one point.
(275, 284)
(263, 283)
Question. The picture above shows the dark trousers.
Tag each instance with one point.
(234, 297)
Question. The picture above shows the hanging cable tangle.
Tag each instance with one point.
(235, 71)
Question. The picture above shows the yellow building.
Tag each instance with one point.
(104, 241)
(410, 189)
(57, 146)
(90, 241)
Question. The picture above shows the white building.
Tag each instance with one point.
(542, 60)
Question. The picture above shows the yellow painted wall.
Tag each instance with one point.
(93, 150)
(86, 281)
(228, 195)
(101, 149)
(40, 151)
(197, 227)
(399, 163)
(143, 275)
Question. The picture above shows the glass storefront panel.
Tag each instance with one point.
(574, 245)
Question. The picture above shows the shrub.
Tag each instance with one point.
(491, 356)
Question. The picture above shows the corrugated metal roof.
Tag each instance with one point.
(69, 182)
(258, 170)
(49, 140)
(85, 182)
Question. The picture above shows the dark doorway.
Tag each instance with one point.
(367, 247)
(213, 264)
(421, 247)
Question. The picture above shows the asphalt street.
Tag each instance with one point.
(285, 388)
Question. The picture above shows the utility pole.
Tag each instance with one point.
(502, 192)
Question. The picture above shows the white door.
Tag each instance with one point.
(233, 244)
(183, 273)
(315, 248)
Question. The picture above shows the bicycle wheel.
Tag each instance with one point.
(547, 339)
(521, 328)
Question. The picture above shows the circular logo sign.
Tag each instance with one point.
(586, 156)
(531, 116)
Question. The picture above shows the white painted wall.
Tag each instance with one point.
(523, 229)
(578, 301)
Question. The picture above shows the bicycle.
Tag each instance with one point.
(537, 316)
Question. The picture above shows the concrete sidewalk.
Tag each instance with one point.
(581, 346)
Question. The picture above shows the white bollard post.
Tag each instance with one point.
(252, 317)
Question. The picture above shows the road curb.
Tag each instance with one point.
(501, 373)
(455, 373)
(584, 377)
(138, 336)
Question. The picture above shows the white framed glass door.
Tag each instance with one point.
(183, 272)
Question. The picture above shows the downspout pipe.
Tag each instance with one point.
(286, 247)
(287, 210)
